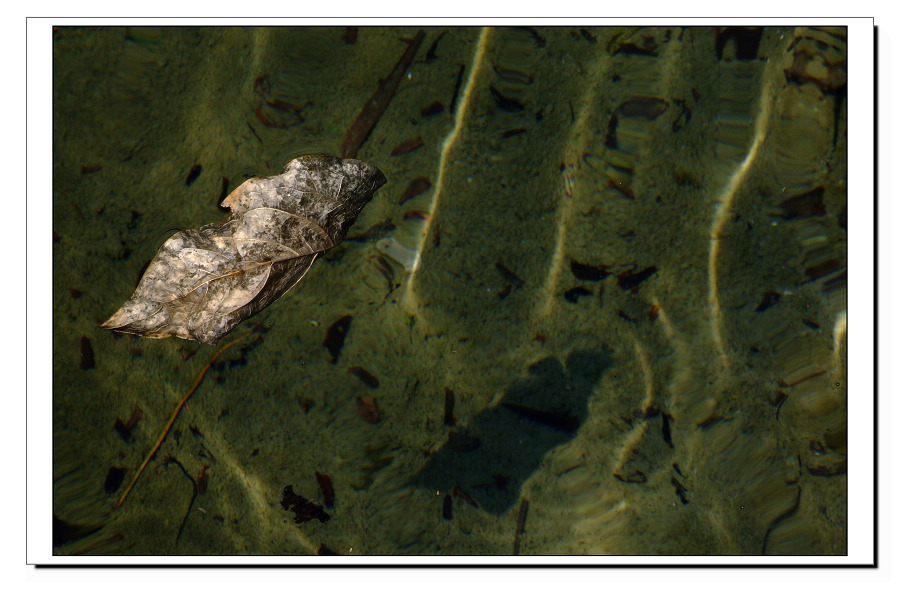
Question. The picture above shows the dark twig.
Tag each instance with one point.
(376, 105)
(520, 525)
(172, 460)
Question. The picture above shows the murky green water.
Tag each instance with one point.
(626, 331)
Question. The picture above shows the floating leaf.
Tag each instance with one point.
(203, 282)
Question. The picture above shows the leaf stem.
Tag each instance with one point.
(165, 432)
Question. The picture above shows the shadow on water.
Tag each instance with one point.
(492, 457)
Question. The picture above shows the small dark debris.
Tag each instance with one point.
(587, 272)
(384, 268)
(415, 187)
(304, 509)
(828, 469)
(431, 54)
(813, 325)
(87, 353)
(306, 404)
(823, 269)
(520, 525)
(634, 477)
(327, 488)
(135, 221)
(253, 131)
(203, 478)
(710, 421)
(114, 479)
(448, 507)
(262, 86)
(368, 379)
(513, 132)
(645, 107)
(667, 430)
(777, 401)
(187, 352)
(621, 184)
(652, 411)
(124, 428)
(634, 49)
(257, 327)
(804, 205)
(770, 298)
(513, 76)
(539, 41)
(350, 35)
(368, 409)
(334, 337)
(376, 231)
(457, 492)
(419, 215)
(86, 170)
(193, 174)
(279, 114)
(407, 146)
(449, 402)
(223, 194)
(680, 490)
(746, 39)
(630, 281)
(574, 293)
(462, 443)
(505, 291)
(838, 282)
(254, 453)
(509, 275)
(506, 103)
(624, 316)
(324, 550)
(457, 85)
(432, 109)
(76, 293)
(612, 139)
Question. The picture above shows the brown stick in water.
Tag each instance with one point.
(165, 432)
(375, 106)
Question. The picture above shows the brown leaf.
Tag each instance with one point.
(203, 282)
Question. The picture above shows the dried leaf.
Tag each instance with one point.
(204, 282)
